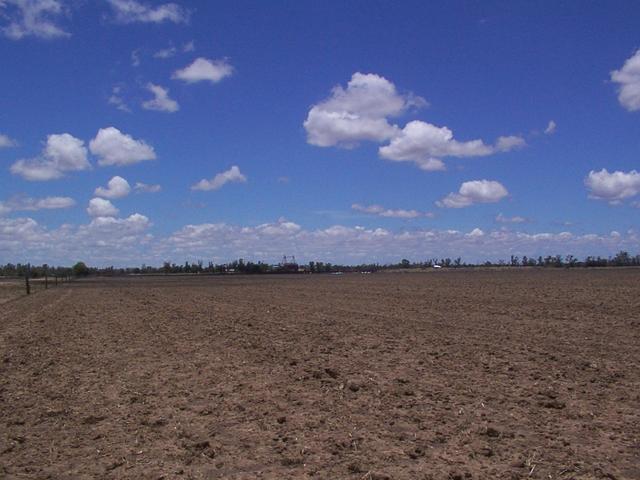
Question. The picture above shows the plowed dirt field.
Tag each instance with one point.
(442, 375)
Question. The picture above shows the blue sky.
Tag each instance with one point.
(344, 132)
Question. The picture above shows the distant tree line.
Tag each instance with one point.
(240, 266)
(35, 271)
(620, 259)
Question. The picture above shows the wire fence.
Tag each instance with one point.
(12, 287)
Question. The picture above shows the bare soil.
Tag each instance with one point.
(443, 375)
(13, 288)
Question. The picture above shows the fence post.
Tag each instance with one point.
(26, 279)
(46, 279)
(56, 277)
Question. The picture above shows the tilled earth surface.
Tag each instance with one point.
(442, 375)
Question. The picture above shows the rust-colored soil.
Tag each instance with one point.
(441, 375)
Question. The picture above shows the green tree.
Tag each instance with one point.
(80, 269)
(622, 258)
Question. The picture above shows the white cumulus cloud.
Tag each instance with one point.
(475, 233)
(233, 175)
(117, 187)
(117, 148)
(161, 101)
(203, 69)
(62, 153)
(381, 211)
(628, 80)
(425, 144)
(105, 240)
(475, 191)
(32, 18)
(358, 112)
(340, 243)
(127, 241)
(99, 207)
(131, 11)
(612, 187)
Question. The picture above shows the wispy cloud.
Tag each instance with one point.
(33, 18)
(381, 211)
(233, 175)
(551, 128)
(500, 218)
(22, 203)
(6, 141)
(116, 99)
(165, 52)
(146, 188)
(161, 101)
(133, 11)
